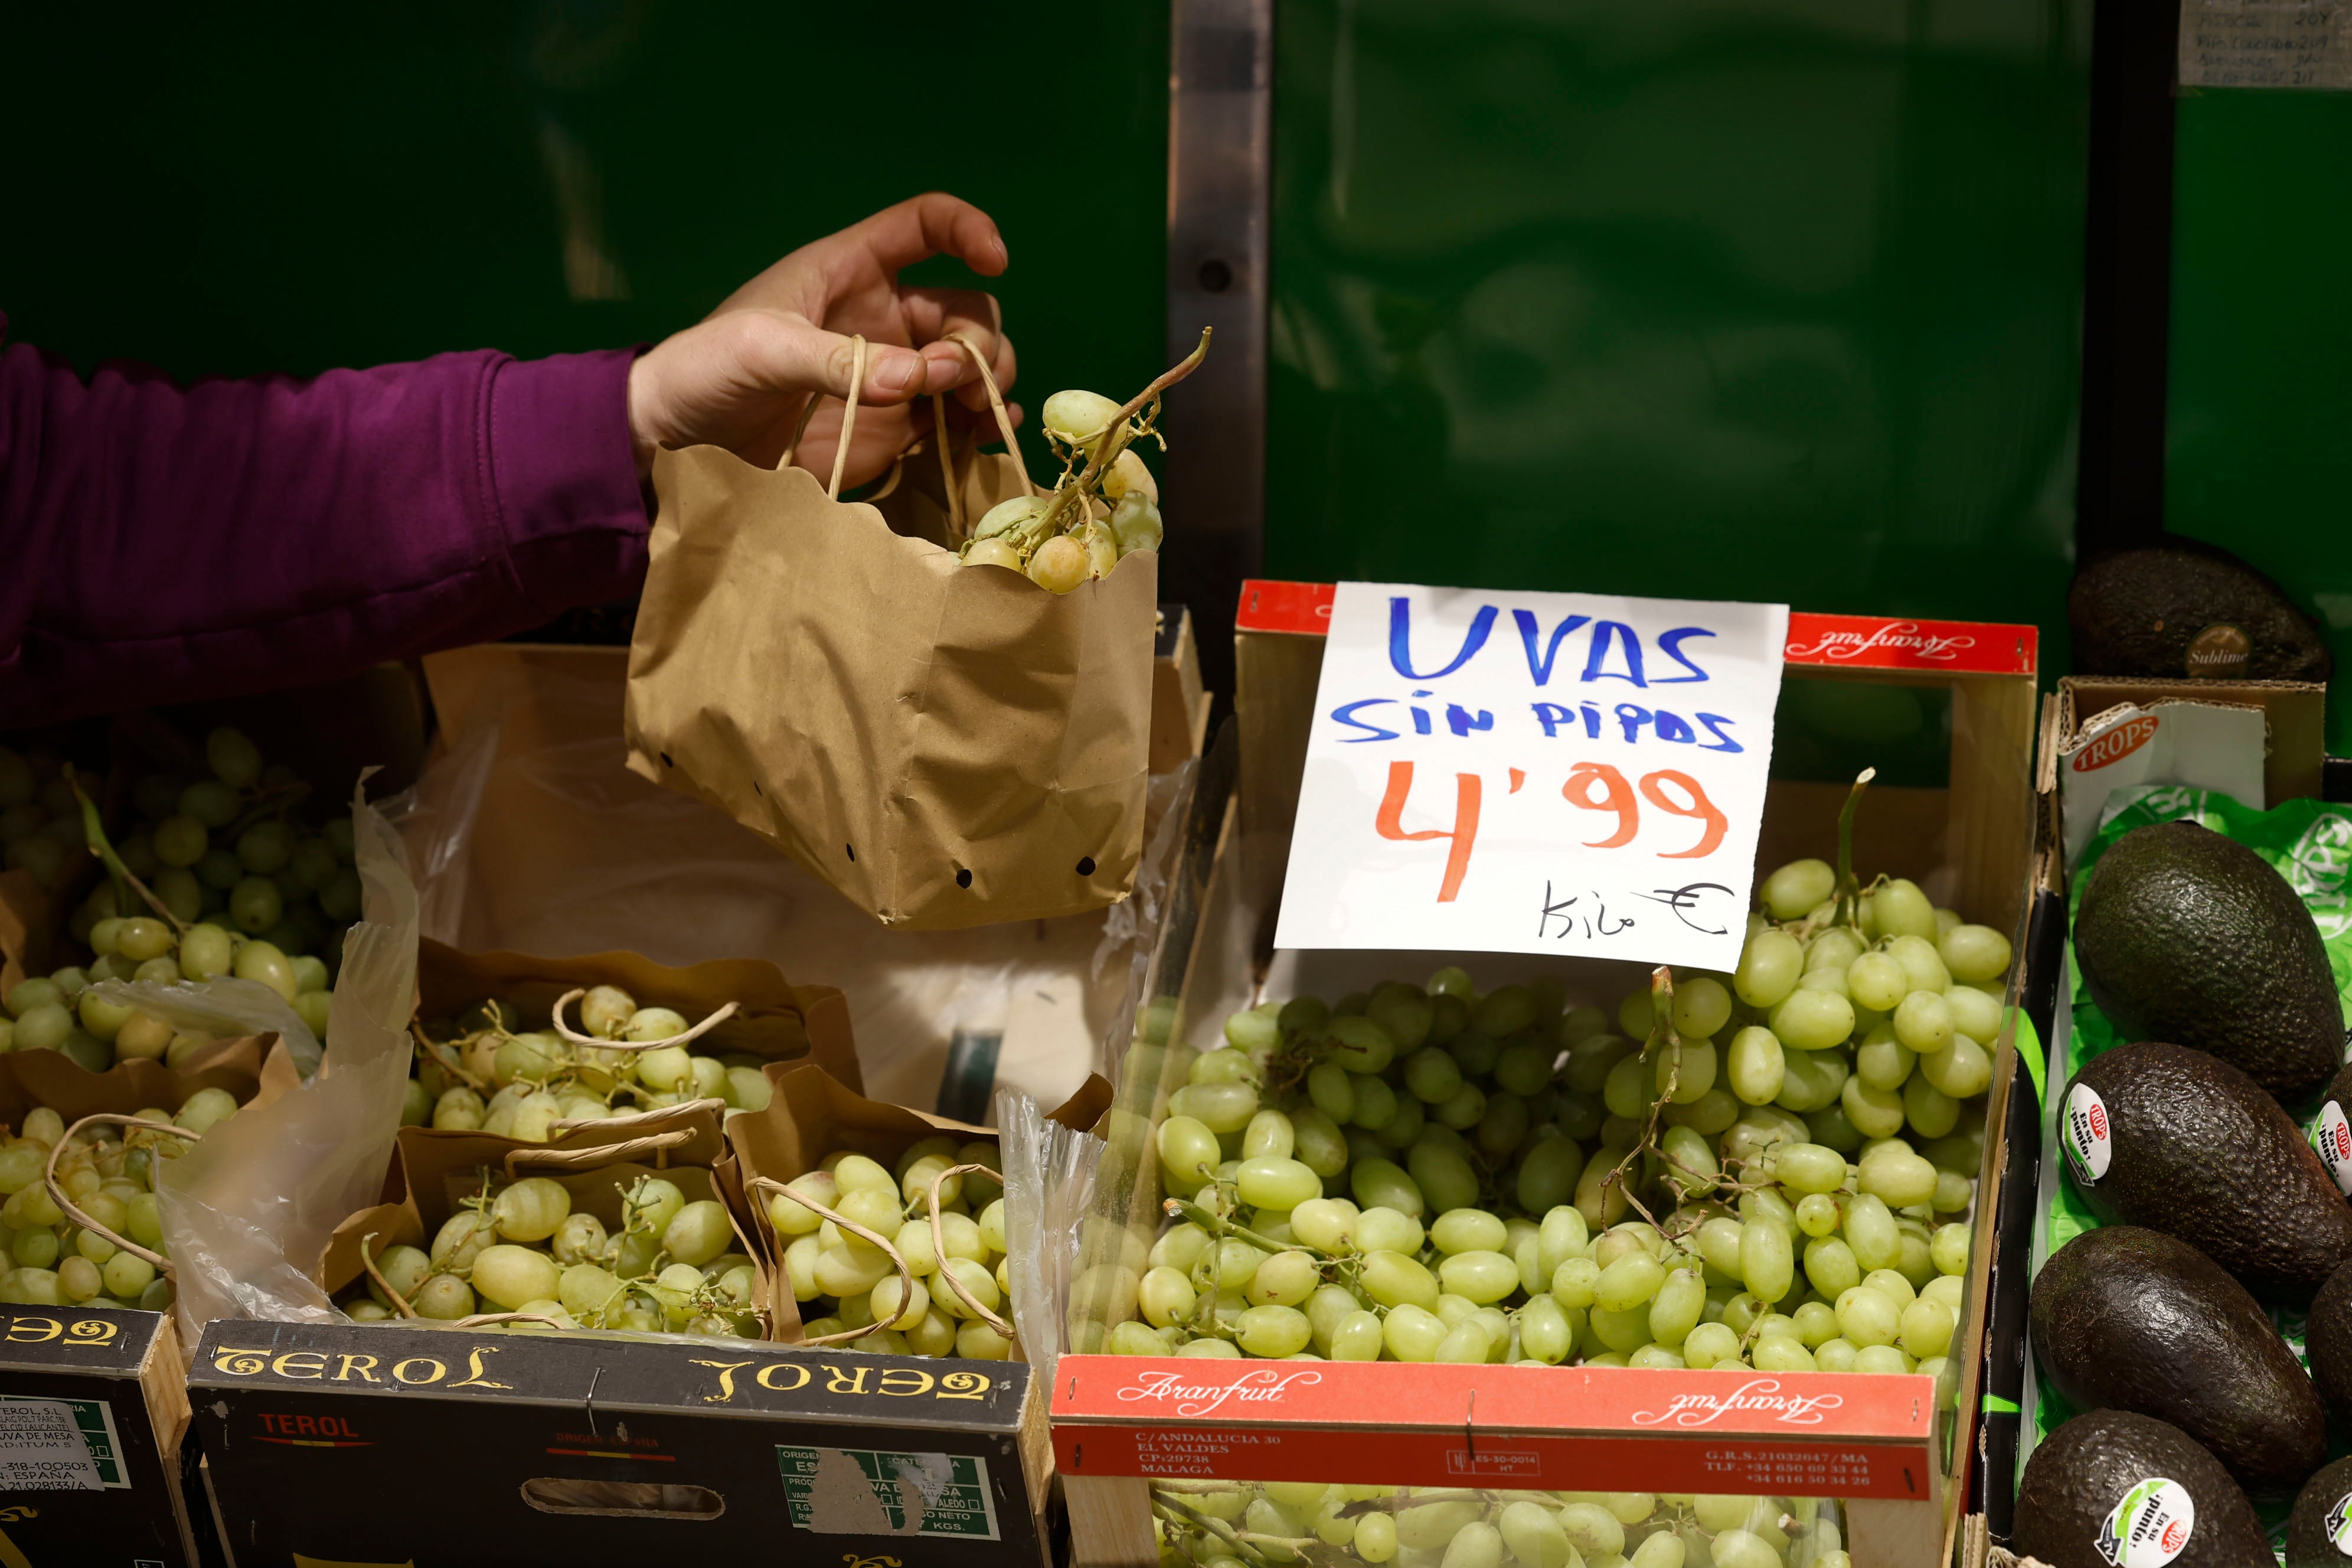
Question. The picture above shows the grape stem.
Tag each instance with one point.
(1849, 892)
(94, 834)
(1661, 1036)
(367, 1261)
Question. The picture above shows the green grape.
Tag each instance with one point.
(1691, 1067)
(1951, 1290)
(1285, 1279)
(1432, 1076)
(1882, 1061)
(1871, 1232)
(1877, 982)
(1463, 1111)
(1690, 1161)
(1882, 1358)
(1701, 1007)
(1329, 1086)
(1219, 1107)
(1573, 1283)
(1593, 1531)
(1375, 1102)
(1358, 1337)
(1962, 1071)
(1411, 1332)
(1874, 1112)
(1812, 1020)
(1524, 1068)
(1815, 1324)
(1505, 1011)
(1756, 1065)
(1901, 910)
(1711, 1344)
(1826, 979)
(1767, 1260)
(1319, 1146)
(1632, 1281)
(1210, 1066)
(1780, 1353)
(1678, 1307)
(1440, 1176)
(1252, 1029)
(1866, 1318)
(1926, 1329)
(1546, 1175)
(1467, 1230)
(1949, 1249)
(1974, 1013)
(1534, 1535)
(1380, 1183)
(1718, 1241)
(1188, 1150)
(1467, 1342)
(1794, 889)
(1898, 1177)
(1818, 1214)
(1627, 1092)
(1393, 1280)
(1808, 1168)
(1623, 1332)
(1272, 1330)
(1834, 1355)
(1501, 1124)
(1482, 1276)
(1277, 1184)
(1830, 1266)
(1379, 1230)
(1930, 1112)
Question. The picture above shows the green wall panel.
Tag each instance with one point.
(2259, 436)
(239, 189)
(1757, 298)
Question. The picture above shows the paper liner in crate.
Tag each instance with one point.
(945, 745)
(774, 1019)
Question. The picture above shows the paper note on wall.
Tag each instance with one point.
(1564, 774)
(2293, 44)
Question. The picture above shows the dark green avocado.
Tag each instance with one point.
(2195, 1149)
(2139, 612)
(2130, 1318)
(2319, 1531)
(2080, 1479)
(2184, 935)
(2327, 1340)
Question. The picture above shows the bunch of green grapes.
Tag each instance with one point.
(109, 1174)
(844, 1282)
(1106, 505)
(41, 821)
(61, 1011)
(523, 1248)
(229, 849)
(478, 1072)
(1428, 1174)
(1244, 1524)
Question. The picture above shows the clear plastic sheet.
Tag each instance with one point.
(248, 1211)
(585, 857)
(225, 1008)
(1049, 1181)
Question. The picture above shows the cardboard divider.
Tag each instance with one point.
(775, 1020)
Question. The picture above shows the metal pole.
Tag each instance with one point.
(1220, 174)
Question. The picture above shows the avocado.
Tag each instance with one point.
(2115, 1473)
(2319, 1531)
(2328, 1341)
(2129, 1318)
(2142, 611)
(2158, 1135)
(2184, 935)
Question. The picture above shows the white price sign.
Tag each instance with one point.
(1566, 773)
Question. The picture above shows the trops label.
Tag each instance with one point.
(2089, 1139)
(2150, 1527)
(2331, 1140)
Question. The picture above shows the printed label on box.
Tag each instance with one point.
(859, 1492)
(58, 1445)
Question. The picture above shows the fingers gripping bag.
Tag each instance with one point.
(247, 1211)
(944, 741)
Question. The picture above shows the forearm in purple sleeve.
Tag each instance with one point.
(160, 542)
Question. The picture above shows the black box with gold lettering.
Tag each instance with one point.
(93, 1406)
(587, 1450)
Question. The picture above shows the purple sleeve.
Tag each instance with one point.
(163, 542)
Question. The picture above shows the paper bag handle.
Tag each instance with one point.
(765, 1215)
(58, 1194)
(594, 1155)
(848, 420)
(996, 401)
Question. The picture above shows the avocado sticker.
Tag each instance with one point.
(2339, 1524)
(2331, 1140)
(2085, 1134)
(2150, 1527)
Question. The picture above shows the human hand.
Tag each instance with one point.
(739, 378)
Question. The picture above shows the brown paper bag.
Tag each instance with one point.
(945, 746)
(812, 1115)
(255, 1069)
(775, 1020)
(432, 1172)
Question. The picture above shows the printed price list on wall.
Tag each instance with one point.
(1566, 773)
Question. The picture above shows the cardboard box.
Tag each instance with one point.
(1883, 1445)
(116, 1378)
(337, 1444)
